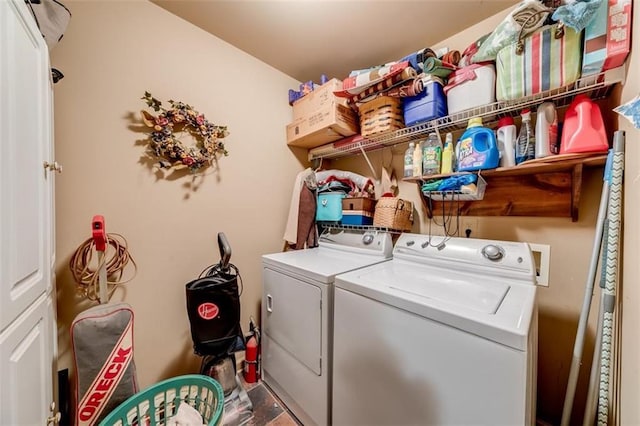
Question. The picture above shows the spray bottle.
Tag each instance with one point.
(526, 145)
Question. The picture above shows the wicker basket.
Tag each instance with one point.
(382, 114)
(393, 213)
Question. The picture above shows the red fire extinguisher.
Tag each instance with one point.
(251, 356)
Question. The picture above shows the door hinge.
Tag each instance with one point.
(54, 418)
(54, 167)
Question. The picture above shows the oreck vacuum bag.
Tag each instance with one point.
(102, 343)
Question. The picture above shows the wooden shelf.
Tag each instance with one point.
(548, 186)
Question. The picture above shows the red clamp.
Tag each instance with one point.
(99, 233)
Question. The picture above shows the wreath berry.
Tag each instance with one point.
(182, 117)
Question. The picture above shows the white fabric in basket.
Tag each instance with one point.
(186, 416)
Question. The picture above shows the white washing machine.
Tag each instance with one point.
(297, 316)
(439, 335)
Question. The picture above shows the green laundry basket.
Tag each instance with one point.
(158, 403)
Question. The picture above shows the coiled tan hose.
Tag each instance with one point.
(116, 258)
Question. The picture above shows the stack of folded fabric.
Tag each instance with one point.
(405, 78)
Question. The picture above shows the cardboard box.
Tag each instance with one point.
(618, 33)
(607, 38)
(359, 203)
(330, 123)
(317, 99)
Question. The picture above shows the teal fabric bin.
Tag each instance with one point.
(329, 208)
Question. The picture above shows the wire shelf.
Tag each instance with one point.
(458, 195)
(596, 86)
(371, 228)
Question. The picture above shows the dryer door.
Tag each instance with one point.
(292, 317)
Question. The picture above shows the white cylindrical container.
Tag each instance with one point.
(471, 87)
(408, 160)
(546, 130)
(417, 160)
(506, 136)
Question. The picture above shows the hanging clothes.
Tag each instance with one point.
(307, 231)
(291, 230)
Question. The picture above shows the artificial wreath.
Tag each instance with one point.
(164, 143)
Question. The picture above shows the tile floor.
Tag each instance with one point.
(268, 410)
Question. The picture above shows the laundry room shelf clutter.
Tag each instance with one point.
(597, 87)
(549, 187)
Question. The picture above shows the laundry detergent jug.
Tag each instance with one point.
(583, 129)
(477, 148)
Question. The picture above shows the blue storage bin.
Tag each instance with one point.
(428, 105)
(357, 217)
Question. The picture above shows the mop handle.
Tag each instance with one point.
(99, 234)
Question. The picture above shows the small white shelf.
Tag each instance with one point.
(597, 87)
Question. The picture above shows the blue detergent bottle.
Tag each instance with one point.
(477, 148)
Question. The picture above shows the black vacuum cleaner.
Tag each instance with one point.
(213, 306)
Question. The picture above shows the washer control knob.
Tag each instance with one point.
(493, 252)
(367, 239)
(410, 243)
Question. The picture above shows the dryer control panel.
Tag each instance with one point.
(358, 241)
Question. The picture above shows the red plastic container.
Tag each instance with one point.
(583, 130)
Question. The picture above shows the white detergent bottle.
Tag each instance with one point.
(507, 136)
(408, 160)
(546, 130)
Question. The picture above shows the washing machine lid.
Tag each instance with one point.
(494, 303)
(338, 252)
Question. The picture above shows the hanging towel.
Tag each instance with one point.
(307, 233)
(291, 231)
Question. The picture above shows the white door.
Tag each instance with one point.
(293, 318)
(27, 324)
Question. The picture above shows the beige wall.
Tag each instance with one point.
(111, 53)
(571, 245)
